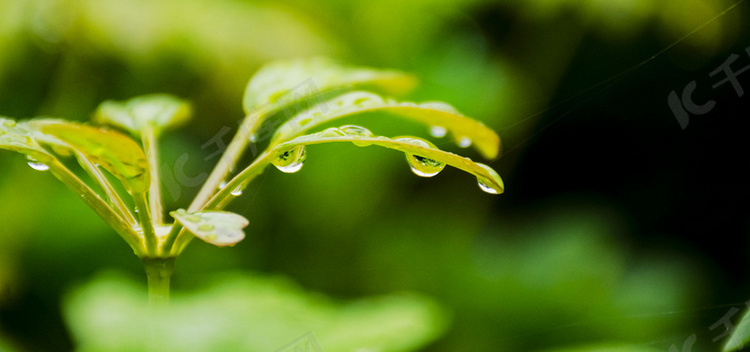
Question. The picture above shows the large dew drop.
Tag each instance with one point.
(492, 185)
(291, 161)
(422, 166)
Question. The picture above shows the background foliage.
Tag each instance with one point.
(617, 230)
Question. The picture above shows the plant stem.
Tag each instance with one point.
(227, 162)
(224, 197)
(147, 226)
(92, 199)
(158, 273)
(107, 188)
(148, 138)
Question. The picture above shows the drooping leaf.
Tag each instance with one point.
(113, 151)
(19, 137)
(219, 228)
(741, 335)
(158, 111)
(282, 82)
(423, 157)
(441, 117)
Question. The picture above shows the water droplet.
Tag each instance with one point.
(487, 188)
(237, 191)
(438, 131)
(424, 167)
(464, 142)
(205, 228)
(291, 161)
(137, 229)
(253, 138)
(222, 184)
(492, 185)
(37, 165)
(304, 121)
(357, 132)
(331, 133)
(9, 123)
(420, 165)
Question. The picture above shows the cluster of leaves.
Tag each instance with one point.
(330, 91)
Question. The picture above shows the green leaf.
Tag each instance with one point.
(219, 228)
(282, 82)
(113, 151)
(442, 118)
(20, 137)
(423, 157)
(740, 336)
(241, 312)
(158, 111)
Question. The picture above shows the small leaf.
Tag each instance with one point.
(432, 158)
(219, 228)
(740, 336)
(159, 111)
(282, 83)
(439, 115)
(113, 151)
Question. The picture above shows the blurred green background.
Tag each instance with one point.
(618, 229)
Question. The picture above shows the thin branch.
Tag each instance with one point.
(228, 161)
(147, 226)
(106, 186)
(92, 199)
(148, 138)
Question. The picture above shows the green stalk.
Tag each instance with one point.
(224, 197)
(148, 138)
(147, 226)
(92, 199)
(106, 186)
(228, 161)
(158, 272)
(174, 232)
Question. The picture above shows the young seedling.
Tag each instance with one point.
(119, 179)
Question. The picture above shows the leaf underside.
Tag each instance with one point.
(437, 114)
(484, 173)
(282, 83)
